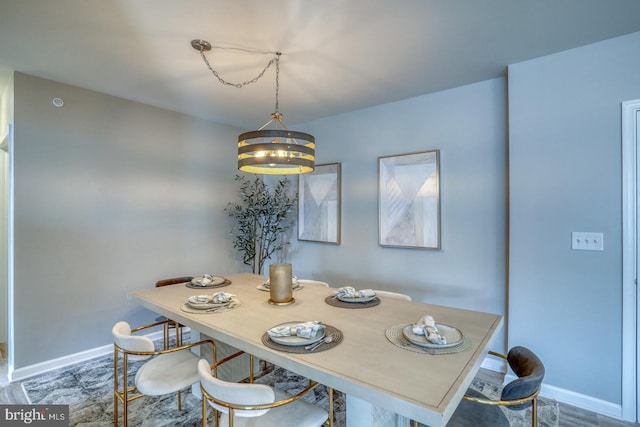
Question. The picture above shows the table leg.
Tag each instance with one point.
(235, 370)
(361, 413)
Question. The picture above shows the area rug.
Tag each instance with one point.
(88, 390)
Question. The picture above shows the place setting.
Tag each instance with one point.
(427, 336)
(302, 337)
(206, 304)
(207, 281)
(349, 297)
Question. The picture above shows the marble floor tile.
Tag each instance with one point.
(87, 387)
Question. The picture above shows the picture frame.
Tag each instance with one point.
(409, 200)
(319, 204)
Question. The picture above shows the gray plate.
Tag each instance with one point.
(453, 336)
(295, 340)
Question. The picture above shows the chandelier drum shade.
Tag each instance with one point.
(276, 151)
(272, 149)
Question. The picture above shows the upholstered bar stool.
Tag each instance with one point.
(395, 295)
(247, 405)
(172, 325)
(166, 371)
(313, 282)
(478, 410)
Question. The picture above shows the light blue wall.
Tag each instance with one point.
(6, 119)
(468, 126)
(110, 196)
(565, 175)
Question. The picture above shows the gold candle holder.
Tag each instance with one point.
(280, 284)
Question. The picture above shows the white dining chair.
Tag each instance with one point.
(395, 295)
(165, 371)
(172, 325)
(313, 282)
(241, 404)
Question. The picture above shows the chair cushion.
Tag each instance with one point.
(530, 371)
(167, 373)
(296, 414)
(477, 414)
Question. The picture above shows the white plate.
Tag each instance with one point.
(215, 281)
(357, 299)
(205, 305)
(296, 340)
(294, 286)
(453, 336)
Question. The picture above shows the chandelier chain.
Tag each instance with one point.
(239, 85)
(277, 58)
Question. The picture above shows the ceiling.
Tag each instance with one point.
(337, 55)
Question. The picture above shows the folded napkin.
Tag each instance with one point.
(294, 282)
(206, 280)
(427, 326)
(350, 292)
(303, 330)
(221, 297)
(217, 298)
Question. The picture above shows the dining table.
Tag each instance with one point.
(387, 378)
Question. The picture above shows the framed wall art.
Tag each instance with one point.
(409, 200)
(319, 204)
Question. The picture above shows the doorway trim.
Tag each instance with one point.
(630, 303)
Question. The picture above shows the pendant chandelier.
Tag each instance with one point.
(272, 149)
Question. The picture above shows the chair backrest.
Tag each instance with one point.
(313, 282)
(235, 393)
(122, 337)
(530, 371)
(173, 281)
(395, 295)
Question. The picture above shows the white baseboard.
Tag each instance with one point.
(583, 401)
(494, 364)
(21, 374)
(590, 403)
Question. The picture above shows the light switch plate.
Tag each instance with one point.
(583, 241)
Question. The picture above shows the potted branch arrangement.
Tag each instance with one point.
(261, 220)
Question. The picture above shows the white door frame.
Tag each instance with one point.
(630, 298)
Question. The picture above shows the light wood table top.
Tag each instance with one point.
(366, 364)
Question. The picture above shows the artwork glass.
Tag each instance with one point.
(409, 200)
(319, 204)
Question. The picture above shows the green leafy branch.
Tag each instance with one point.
(261, 219)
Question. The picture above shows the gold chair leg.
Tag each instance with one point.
(534, 412)
(414, 423)
(166, 336)
(125, 383)
(115, 410)
(179, 400)
(204, 410)
(115, 387)
(330, 391)
(250, 368)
